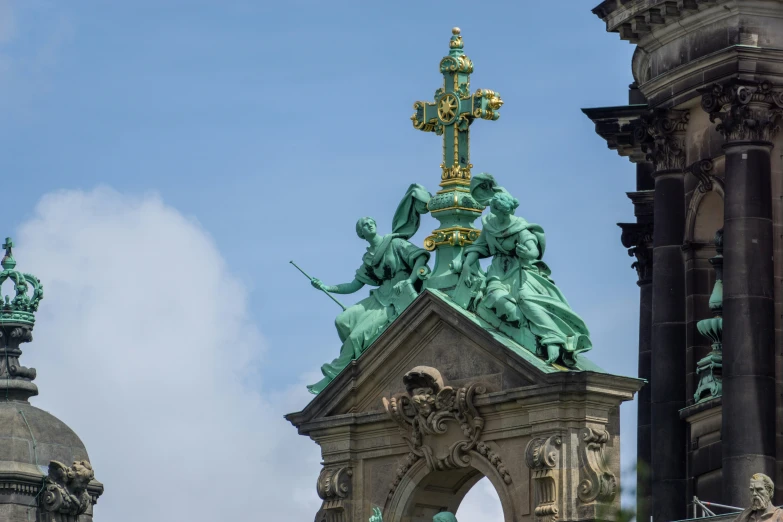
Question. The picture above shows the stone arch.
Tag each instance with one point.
(423, 492)
(705, 213)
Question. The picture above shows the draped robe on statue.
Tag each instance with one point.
(526, 283)
(359, 325)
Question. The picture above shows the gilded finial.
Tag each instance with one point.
(456, 39)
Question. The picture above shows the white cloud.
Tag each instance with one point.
(144, 347)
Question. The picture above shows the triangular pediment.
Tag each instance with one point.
(435, 332)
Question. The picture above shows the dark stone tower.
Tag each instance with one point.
(703, 119)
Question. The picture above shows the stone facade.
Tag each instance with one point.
(439, 402)
(703, 117)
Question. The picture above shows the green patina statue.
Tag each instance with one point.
(519, 295)
(443, 516)
(397, 268)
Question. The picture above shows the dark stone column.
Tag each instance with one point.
(666, 149)
(637, 237)
(748, 429)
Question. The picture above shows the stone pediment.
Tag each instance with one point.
(433, 331)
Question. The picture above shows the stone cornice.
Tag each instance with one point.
(584, 387)
(746, 111)
(635, 19)
(642, 204)
(678, 85)
(29, 483)
(616, 125)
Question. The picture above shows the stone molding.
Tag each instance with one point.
(542, 457)
(661, 134)
(746, 111)
(599, 483)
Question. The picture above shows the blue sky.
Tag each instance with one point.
(276, 125)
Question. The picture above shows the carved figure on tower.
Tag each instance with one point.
(396, 267)
(519, 294)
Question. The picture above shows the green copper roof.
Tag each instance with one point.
(21, 308)
(583, 364)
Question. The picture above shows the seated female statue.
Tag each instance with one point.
(392, 264)
(519, 291)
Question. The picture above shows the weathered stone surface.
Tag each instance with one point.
(476, 409)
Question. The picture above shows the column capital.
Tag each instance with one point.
(746, 111)
(661, 134)
(637, 238)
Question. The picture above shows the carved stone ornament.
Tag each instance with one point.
(542, 456)
(430, 409)
(637, 238)
(702, 170)
(661, 135)
(599, 483)
(334, 486)
(747, 112)
(65, 490)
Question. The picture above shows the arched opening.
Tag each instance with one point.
(423, 493)
(481, 504)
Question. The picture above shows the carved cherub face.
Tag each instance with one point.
(760, 495)
(424, 399)
(82, 475)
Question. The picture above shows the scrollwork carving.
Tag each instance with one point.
(334, 486)
(334, 483)
(747, 112)
(661, 135)
(702, 170)
(65, 491)
(541, 457)
(431, 409)
(600, 484)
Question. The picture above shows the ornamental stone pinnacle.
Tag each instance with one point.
(450, 115)
(17, 317)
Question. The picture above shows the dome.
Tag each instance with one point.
(54, 440)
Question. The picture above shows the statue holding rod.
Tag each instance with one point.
(396, 268)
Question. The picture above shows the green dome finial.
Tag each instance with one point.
(22, 307)
(8, 261)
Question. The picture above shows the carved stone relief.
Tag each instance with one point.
(599, 483)
(65, 495)
(662, 137)
(542, 455)
(746, 111)
(334, 486)
(429, 410)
